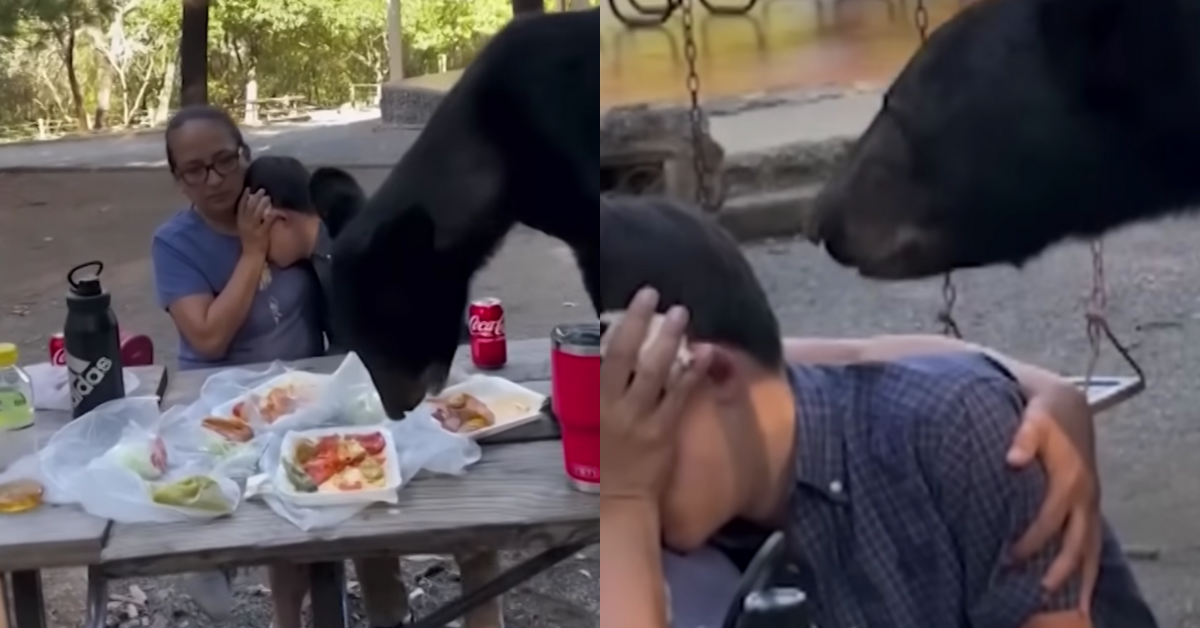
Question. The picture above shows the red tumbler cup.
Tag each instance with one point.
(575, 398)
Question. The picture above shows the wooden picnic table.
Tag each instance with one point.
(55, 536)
(515, 498)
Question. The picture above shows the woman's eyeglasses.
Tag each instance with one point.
(223, 164)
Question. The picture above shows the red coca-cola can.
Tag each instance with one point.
(136, 350)
(58, 350)
(489, 345)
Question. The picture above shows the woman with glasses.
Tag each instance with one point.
(231, 307)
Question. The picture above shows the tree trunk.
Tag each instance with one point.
(162, 108)
(250, 116)
(77, 106)
(193, 53)
(395, 41)
(523, 7)
(104, 88)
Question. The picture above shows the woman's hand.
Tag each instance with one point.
(254, 221)
(1057, 431)
(641, 399)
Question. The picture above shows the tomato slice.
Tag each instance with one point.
(373, 443)
(327, 447)
(320, 470)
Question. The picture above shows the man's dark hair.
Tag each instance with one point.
(284, 179)
(691, 261)
(208, 113)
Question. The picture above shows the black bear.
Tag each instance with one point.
(1022, 123)
(512, 142)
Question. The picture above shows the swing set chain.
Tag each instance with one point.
(946, 315)
(949, 291)
(690, 52)
(921, 17)
(1095, 313)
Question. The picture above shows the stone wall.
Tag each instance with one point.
(650, 150)
(408, 105)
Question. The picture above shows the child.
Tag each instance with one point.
(302, 232)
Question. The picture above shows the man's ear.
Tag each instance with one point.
(725, 381)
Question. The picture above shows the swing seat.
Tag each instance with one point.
(1106, 392)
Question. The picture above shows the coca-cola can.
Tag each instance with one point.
(58, 349)
(489, 345)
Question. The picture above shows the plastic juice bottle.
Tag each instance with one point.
(17, 435)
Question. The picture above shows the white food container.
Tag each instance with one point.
(390, 493)
(512, 404)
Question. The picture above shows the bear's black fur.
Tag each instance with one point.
(512, 142)
(337, 197)
(1020, 124)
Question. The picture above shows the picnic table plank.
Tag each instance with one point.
(515, 498)
(61, 536)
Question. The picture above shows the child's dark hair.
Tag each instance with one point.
(330, 193)
(284, 179)
(691, 261)
(208, 113)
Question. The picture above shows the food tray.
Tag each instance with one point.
(299, 379)
(389, 493)
(497, 392)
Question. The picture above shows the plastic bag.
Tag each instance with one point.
(350, 399)
(50, 386)
(202, 447)
(114, 460)
(276, 400)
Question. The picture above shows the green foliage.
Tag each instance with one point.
(447, 24)
(311, 48)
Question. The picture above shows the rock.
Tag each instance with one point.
(650, 150)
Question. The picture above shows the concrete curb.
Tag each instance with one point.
(770, 215)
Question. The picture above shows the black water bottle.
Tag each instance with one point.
(93, 341)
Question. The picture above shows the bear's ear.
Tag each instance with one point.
(337, 196)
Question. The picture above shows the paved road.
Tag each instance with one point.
(356, 140)
(362, 140)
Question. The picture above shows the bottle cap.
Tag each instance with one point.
(8, 354)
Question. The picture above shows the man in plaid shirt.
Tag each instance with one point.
(888, 466)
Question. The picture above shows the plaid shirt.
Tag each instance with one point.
(905, 509)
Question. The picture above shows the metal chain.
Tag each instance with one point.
(921, 18)
(1094, 310)
(949, 291)
(1098, 329)
(946, 315)
(699, 159)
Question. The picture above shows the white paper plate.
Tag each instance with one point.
(513, 404)
(389, 493)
